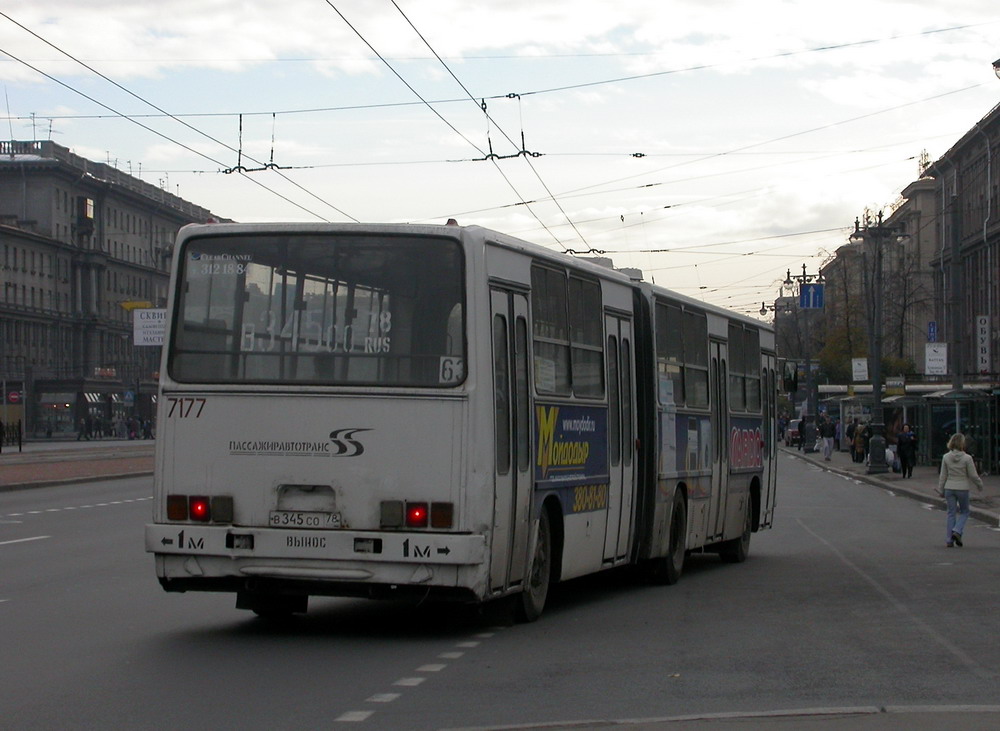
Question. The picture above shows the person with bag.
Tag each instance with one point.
(958, 475)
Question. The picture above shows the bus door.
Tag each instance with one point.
(512, 435)
(621, 437)
(719, 397)
(770, 451)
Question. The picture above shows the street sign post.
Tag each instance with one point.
(936, 359)
(811, 296)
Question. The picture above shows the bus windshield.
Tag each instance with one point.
(326, 309)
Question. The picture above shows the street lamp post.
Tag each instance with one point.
(804, 281)
(875, 233)
(776, 308)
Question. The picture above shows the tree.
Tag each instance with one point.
(842, 344)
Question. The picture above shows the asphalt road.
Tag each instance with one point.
(850, 604)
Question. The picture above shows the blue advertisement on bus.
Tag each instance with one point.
(571, 445)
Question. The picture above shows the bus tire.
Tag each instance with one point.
(667, 569)
(531, 600)
(737, 549)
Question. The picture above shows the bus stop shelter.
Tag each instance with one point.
(968, 411)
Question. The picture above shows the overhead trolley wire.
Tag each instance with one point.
(556, 89)
(521, 151)
(436, 112)
(166, 113)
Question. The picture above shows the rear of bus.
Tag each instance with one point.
(313, 417)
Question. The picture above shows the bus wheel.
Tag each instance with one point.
(737, 550)
(536, 588)
(667, 569)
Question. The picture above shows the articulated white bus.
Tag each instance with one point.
(444, 412)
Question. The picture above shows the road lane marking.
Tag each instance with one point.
(76, 507)
(23, 540)
(900, 607)
(383, 698)
(410, 682)
(355, 716)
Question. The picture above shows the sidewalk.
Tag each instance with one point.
(42, 464)
(985, 505)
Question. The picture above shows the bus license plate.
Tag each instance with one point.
(303, 519)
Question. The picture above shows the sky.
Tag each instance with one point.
(713, 144)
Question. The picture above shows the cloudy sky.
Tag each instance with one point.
(712, 143)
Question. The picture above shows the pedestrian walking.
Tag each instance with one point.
(958, 475)
(906, 450)
(827, 431)
(859, 443)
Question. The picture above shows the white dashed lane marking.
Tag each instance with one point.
(413, 681)
(76, 507)
(409, 682)
(355, 716)
(24, 540)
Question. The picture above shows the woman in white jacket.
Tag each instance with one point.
(958, 475)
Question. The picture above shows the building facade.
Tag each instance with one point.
(967, 266)
(84, 248)
(940, 292)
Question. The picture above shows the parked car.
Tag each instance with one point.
(793, 433)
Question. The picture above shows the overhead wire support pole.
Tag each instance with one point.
(874, 235)
(808, 300)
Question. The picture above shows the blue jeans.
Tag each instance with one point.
(957, 499)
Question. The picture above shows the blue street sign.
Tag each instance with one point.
(811, 296)
(932, 331)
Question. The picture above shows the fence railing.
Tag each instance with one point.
(11, 434)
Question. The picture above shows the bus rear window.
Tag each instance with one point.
(332, 309)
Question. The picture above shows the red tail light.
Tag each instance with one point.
(416, 515)
(199, 509)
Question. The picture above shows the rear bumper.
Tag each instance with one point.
(335, 563)
(246, 544)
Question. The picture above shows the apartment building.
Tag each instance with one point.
(84, 247)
